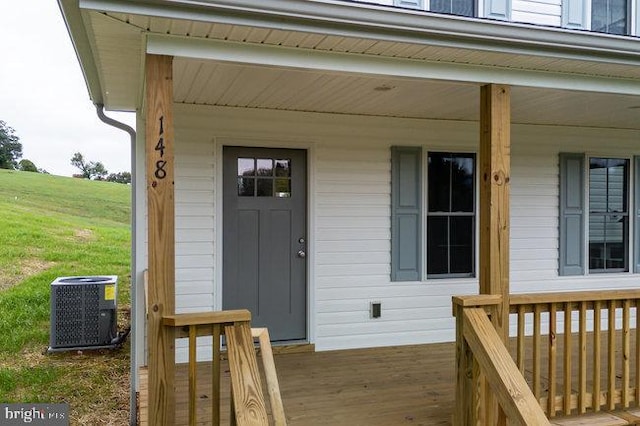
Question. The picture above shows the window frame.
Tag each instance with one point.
(473, 214)
(627, 228)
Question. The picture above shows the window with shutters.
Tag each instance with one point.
(449, 220)
(610, 16)
(595, 208)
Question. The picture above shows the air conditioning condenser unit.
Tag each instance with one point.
(84, 313)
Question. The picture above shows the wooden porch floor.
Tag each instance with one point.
(383, 386)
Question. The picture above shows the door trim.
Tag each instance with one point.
(218, 144)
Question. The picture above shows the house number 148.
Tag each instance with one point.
(160, 172)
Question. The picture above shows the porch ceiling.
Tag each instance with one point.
(237, 85)
(118, 41)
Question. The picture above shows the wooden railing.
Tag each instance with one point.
(586, 364)
(482, 356)
(247, 400)
(576, 351)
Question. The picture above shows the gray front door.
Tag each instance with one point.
(264, 238)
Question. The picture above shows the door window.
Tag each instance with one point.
(264, 177)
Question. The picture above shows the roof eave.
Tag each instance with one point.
(389, 23)
(77, 31)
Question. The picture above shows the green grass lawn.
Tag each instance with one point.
(54, 226)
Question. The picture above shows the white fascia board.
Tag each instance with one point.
(279, 56)
(352, 19)
(81, 43)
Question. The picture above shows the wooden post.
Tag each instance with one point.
(161, 230)
(495, 176)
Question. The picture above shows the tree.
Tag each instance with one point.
(90, 169)
(120, 177)
(27, 166)
(10, 147)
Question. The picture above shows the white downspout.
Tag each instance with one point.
(132, 134)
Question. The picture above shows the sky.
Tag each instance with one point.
(43, 95)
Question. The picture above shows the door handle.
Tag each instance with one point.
(302, 254)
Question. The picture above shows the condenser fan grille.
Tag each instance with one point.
(77, 315)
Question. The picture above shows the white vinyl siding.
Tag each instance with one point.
(349, 217)
(194, 210)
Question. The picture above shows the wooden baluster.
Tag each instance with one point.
(536, 351)
(551, 402)
(567, 358)
(626, 306)
(520, 338)
(611, 364)
(215, 375)
(192, 374)
(597, 333)
(582, 379)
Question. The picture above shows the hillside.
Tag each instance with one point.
(56, 226)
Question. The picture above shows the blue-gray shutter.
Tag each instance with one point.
(574, 14)
(572, 214)
(498, 9)
(406, 217)
(412, 4)
(636, 214)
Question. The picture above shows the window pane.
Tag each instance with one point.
(283, 168)
(461, 237)
(265, 167)
(618, 17)
(283, 188)
(608, 179)
(439, 182)
(609, 16)
(608, 242)
(615, 248)
(617, 185)
(456, 7)
(437, 245)
(265, 187)
(246, 187)
(599, 15)
(463, 7)
(462, 185)
(598, 185)
(596, 242)
(440, 6)
(246, 167)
